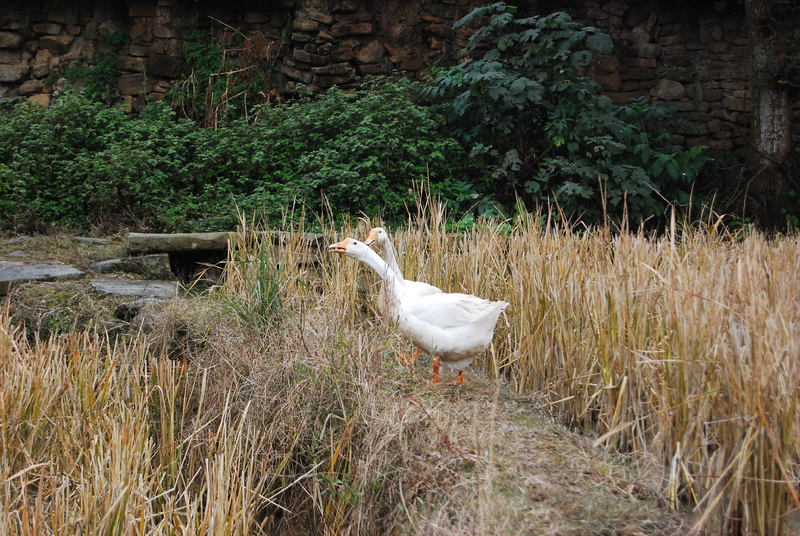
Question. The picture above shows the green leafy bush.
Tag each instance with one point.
(530, 112)
(84, 165)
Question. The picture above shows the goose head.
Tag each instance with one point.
(378, 236)
(349, 247)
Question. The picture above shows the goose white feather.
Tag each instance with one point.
(379, 236)
(453, 327)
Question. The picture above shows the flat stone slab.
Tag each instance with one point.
(147, 265)
(139, 243)
(22, 272)
(87, 240)
(168, 243)
(136, 287)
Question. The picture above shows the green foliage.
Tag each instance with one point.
(98, 80)
(84, 165)
(530, 112)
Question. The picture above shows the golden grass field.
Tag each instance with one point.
(289, 410)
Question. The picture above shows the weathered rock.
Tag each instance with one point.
(21, 272)
(13, 73)
(301, 25)
(10, 56)
(296, 74)
(342, 54)
(89, 240)
(320, 17)
(133, 84)
(15, 240)
(137, 243)
(150, 265)
(29, 87)
(56, 44)
(669, 90)
(10, 40)
(313, 59)
(334, 69)
(372, 52)
(47, 28)
(164, 66)
(136, 287)
(164, 31)
(333, 80)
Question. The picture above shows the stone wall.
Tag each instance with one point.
(693, 54)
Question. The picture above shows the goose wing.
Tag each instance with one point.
(447, 311)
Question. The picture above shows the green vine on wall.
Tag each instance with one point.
(98, 80)
(225, 78)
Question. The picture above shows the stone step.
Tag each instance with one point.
(142, 243)
(14, 272)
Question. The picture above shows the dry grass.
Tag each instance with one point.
(292, 415)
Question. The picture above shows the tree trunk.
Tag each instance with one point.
(768, 23)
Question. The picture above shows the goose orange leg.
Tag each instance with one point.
(436, 371)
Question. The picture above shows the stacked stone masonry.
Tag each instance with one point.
(692, 54)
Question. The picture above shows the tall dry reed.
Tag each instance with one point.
(684, 345)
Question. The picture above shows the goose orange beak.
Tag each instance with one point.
(338, 247)
(372, 238)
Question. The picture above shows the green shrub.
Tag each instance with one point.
(84, 165)
(530, 112)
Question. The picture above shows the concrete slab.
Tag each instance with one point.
(136, 287)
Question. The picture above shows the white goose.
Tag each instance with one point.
(454, 328)
(379, 236)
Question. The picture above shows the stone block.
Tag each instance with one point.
(134, 84)
(10, 56)
(29, 87)
(47, 28)
(56, 44)
(74, 30)
(14, 73)
(301, 25)
(41, 99)
(361, 28)
(131, 63)
(718, 47)
(165, 31)
(320, 17)
(343, 54)
(312, 59)
(298, 37)
(296, 74)
(337, 69)
(165, 67)
(139, 50)
(10, 40)
(668, 90)
(372, 52)
(733, 104)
